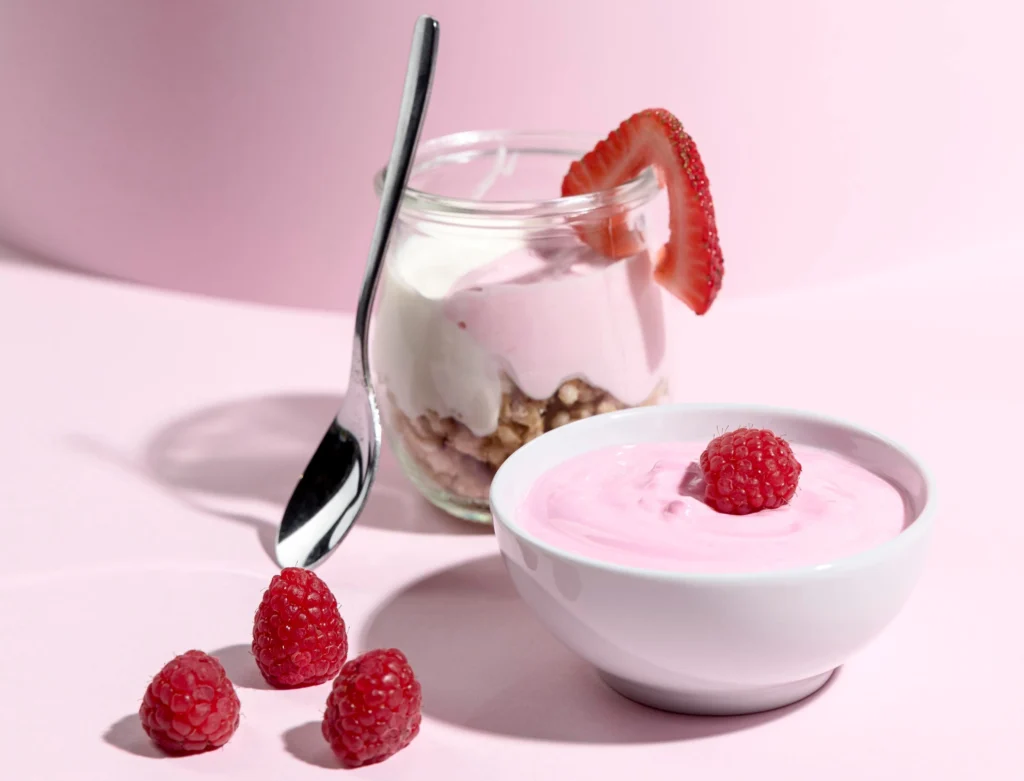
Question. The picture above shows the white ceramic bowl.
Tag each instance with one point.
(712, 643)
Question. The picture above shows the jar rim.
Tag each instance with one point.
(422, 204)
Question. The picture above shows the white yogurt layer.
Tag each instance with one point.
(455, 315)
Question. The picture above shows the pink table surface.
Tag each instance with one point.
(149, 440)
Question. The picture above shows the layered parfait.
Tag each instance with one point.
(521, 293)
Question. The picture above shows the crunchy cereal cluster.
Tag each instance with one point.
(463, 464)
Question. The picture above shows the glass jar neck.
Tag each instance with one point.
(503, 180)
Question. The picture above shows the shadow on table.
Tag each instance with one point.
(306, 742)
(127, 734)
(485, 663)
(253, 451)
(240, 666)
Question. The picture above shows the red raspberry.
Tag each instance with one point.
(298, 635)
(190, 705)
(373, 711)
(748, 470)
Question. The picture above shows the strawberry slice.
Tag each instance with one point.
(690, 264)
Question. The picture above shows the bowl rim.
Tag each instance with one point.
(915, 533)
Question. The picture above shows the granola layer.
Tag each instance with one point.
(463, 464)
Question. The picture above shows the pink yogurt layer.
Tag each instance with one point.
(641, 506)
(548, 316)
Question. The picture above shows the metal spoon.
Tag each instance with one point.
(332, 491)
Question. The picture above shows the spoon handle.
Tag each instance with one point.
(418, 79)
(332, 490)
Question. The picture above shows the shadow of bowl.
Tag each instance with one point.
(486, 664)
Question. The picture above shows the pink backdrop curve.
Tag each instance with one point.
(227, 146)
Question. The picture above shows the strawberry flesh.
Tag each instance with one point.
(690, 264)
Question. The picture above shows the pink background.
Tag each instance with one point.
(227, 147)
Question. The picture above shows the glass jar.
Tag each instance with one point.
(496, 321)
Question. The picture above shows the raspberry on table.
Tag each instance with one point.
(298, 635)
(190, 705)
(373, 711)
(748, 470)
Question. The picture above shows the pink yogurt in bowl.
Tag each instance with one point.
(604, 533)
(641, 505)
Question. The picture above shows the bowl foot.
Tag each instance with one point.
(717, 702)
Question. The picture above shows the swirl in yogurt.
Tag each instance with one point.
(641, 505)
